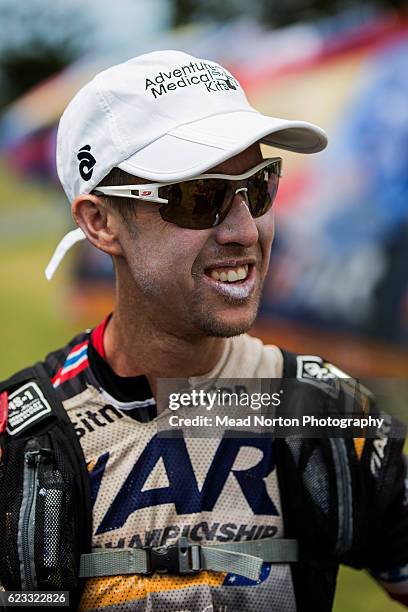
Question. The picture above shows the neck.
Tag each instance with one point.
(135, 346)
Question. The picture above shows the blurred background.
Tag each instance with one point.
(338, 283)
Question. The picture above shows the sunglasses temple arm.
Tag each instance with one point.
(128, 194)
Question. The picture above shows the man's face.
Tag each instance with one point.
(179, 274)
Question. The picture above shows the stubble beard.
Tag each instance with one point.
(207, 319)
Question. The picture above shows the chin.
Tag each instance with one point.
(225, 327)
(224, 317)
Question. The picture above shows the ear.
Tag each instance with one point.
(98, 223)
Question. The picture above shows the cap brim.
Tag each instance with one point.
(196, 147)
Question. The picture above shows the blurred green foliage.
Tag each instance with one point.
(32, 310)
(357, 592)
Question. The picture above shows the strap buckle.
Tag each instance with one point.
(179, 558)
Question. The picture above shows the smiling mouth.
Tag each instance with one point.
(233, 282)
(235, 274)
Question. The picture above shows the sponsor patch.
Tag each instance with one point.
(26, 405)
(379, 446)
(323, 375)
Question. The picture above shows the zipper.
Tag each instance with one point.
(34, 456)
(345, 497)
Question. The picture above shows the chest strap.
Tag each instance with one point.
(242, 558)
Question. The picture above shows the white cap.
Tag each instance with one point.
(164, 116)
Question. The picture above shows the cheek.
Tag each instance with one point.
(266, 232)
(186, 247)
(169, 252)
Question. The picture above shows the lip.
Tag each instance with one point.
(232, 263)
(239, 291)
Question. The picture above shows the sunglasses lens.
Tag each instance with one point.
(262, 188)
(204, 203)
(196, 204)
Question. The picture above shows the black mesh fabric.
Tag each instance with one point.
(306, 494)
(55, 532)
(11, 494)
(318, 493)
(56, 528)
(316, 481)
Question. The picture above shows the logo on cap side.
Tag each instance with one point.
(86, 162)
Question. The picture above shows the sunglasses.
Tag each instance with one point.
(204, 201)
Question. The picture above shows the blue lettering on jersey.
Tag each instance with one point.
(183, 489)
(96, 475)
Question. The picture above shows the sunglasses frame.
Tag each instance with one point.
(149, 192)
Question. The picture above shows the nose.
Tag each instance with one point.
(239, 226)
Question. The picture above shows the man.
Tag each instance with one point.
(191, 251)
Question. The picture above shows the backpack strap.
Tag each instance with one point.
(314, 474)
(289, 364)
(242, 558)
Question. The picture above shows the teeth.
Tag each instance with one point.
(232, 275)
(242, 273)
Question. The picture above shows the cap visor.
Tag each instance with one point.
(196, 147)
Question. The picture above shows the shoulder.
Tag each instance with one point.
(60, 361)
(28, 396)
(255, 359)
(62, 366)
(67, 367)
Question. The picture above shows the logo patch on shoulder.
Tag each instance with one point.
(323, 375)
(26, 405)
